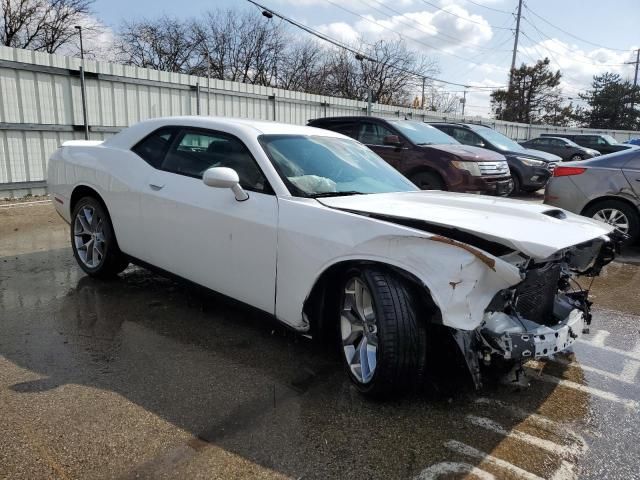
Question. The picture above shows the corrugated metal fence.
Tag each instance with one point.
(40, 107)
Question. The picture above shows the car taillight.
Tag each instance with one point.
(567, 171)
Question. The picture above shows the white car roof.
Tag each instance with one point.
(238, 126)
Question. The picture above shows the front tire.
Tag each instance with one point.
(428, 181)
(619, 214)
(93, 241)
(382, 342)
(575, 158)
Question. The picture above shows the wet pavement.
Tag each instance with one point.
(143, 377)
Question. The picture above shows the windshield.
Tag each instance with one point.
(422, 134)
(500, 141)
(313, 166)
(570, 142)
(610, 140)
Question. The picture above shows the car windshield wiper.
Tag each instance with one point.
(424, 143)
(335, 194)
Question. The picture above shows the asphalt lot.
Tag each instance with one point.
(144, 378)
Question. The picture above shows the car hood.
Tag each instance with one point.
(535, 230)
(468, 152)
(536, 154)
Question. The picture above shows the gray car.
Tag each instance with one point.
(563, 147)
(606, 188)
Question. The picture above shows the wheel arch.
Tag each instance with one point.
(605, 198)
(426, 169)
(324, 294)
(83, 190)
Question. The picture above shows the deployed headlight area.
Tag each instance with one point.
(547, 311)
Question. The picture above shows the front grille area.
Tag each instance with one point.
(535, 296)
(493, 168)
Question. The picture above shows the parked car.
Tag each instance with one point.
(605, 188)
(316, 230)
(562, 147)
(530, 169)
(429, 158)
(633, 141)
(602, 143)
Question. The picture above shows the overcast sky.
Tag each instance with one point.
(472, 39)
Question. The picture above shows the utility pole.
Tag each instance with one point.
(463, 101)
(83, 86)
(635, 78)
(422, 98)
(515, 42)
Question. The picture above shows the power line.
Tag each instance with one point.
(490, 8)
(475, 47)
(398, 33)
(571, 34)
(463, 18)
(575, 59)
(360, 55)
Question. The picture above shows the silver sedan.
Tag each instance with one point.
(606, 188)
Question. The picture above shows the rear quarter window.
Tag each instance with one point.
(153, 148)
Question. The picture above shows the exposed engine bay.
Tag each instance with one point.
(542, 315)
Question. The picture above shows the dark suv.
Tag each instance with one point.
(530, 169)
(425, 155)
(563, 147)
(602, 143)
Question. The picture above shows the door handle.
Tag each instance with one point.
(157, 186)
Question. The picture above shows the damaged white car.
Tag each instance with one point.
(318, 231)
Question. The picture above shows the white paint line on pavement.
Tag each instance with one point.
(541, 421)
(464, 449)
(612, 397)
(447, 468)
(630, 371)
(627, 375)
(565, 472)
(548, 445)
(598, 338)
(633, 354)
(24, 204)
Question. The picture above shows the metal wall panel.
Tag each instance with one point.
(40, 106)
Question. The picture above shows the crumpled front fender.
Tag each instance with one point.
(461, 279)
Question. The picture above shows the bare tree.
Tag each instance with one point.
(442, 101)
(41, 25)
(166, 44)
(389, 69)
(303, 67)
(240, 46)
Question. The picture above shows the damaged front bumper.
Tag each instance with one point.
(525, 339)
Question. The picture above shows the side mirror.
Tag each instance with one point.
(392, 140)
(480, 144)
(224, 177)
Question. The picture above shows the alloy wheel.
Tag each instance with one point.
(359, 330)
(89, 237)
(613, 217)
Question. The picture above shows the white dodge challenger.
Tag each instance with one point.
(315, 229)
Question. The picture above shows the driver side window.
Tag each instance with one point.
(373, 133)
(195, 151)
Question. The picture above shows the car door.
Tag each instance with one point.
(372, 135)
(632, 173)
(203, 233)
(557, 147)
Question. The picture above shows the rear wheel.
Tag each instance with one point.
(575, 158)
(93, 241)
(618, 214)
(383, 343)
(428, 181)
